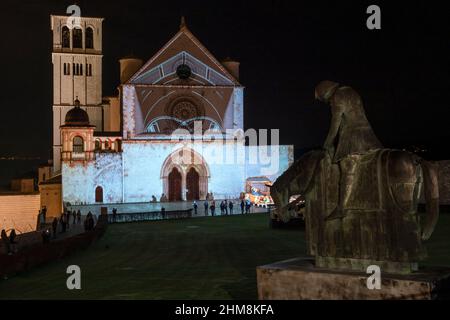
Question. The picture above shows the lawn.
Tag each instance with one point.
(202, 258)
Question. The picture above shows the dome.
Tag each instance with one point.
(77, 116)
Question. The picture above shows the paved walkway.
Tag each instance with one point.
(156, 207)
(30, 238)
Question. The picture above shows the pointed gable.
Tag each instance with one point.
(185, 48)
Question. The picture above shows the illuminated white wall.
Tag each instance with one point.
(79, 180)
(136, 174)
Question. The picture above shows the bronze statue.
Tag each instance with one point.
(361, 199)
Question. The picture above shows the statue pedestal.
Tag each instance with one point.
(299, 279)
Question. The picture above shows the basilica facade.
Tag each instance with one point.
(176, 128)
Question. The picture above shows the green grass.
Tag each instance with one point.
(203, 258)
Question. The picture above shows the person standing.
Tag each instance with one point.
(213, 207)
(242, 206)
(66, 219)
(6, 243)
(12, 241)
(195, 207)
(54, 227)
(230, 205)
(114, 215)
(225, 207)
(44, 213)
(78, 217)
(205, 204)
(247, 206)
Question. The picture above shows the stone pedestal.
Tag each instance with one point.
(299, 279)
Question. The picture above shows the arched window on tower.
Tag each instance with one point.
(107, 145)
(98, 145)
(78, 144)
(89, 38)
(77, 38)
(65, 35)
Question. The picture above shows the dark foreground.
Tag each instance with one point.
(203, 258)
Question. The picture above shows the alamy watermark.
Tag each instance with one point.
(74, 280)
(232, 147)
(374, 20)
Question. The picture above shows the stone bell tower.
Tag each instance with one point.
(77, 73)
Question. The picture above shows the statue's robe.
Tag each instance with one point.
(355, 133)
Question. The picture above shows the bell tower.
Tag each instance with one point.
(77, 73)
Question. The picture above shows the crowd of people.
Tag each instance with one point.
(63, 224)
(9, 242)
(226, 207)
(58, 226)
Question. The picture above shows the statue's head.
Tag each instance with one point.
(325, 90)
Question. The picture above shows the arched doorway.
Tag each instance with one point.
(99, 194)
(192, 185)
(194, 172)
(175, 185)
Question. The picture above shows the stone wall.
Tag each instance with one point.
(81, 179)
(142, 169)
(19, 211)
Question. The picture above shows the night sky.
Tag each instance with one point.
(285, 49)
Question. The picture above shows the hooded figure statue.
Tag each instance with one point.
(350, 134)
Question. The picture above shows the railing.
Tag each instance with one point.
(149, 216)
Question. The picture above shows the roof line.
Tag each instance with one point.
(197, 42)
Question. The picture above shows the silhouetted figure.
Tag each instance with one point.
(114, 215)
(78, 217)
(12, 240)
(44, 213)
(212, 207)
(154, 200)
(62, 222)
(195, 207)
(12, 237)
(225, 207)
(163, 213)
(247, 206)
(91, 223)
(242, 206)
(45, 236)
(206, 205)
(67, 219)
(5, 240)
(222, 208)
(74, 215)
(54, 227)
(231, 205)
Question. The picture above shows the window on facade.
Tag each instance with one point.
(65, 35)
(67, 69)
(77, 69)
(77, 38)
(89, 38)
(78, 145)
(98, 145)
